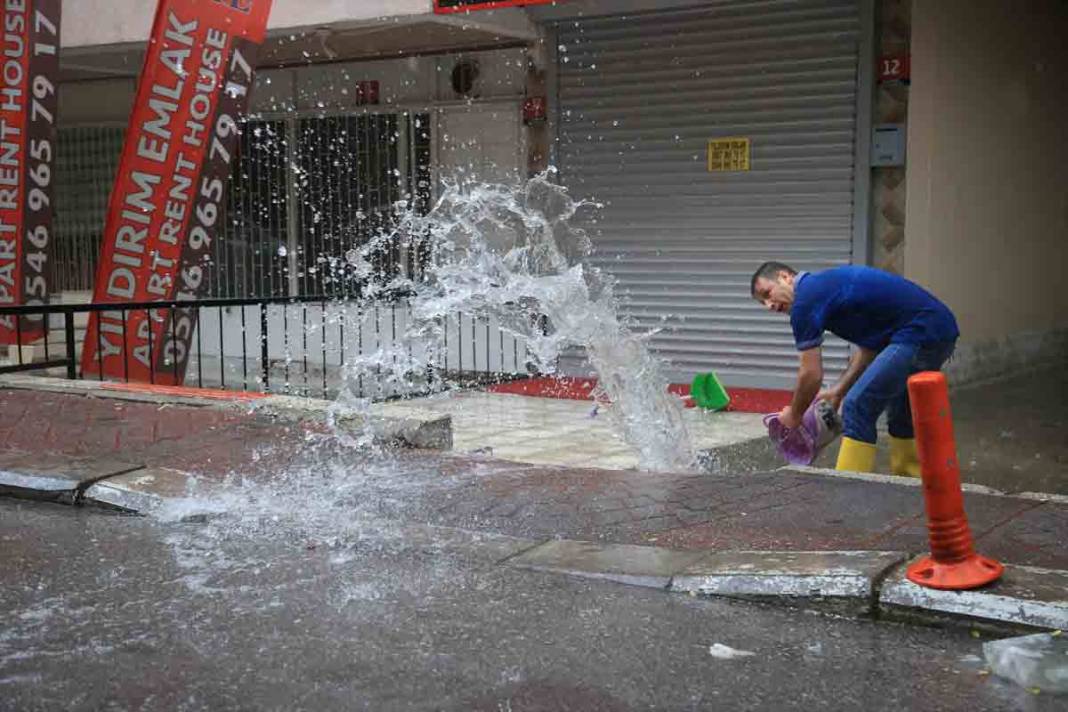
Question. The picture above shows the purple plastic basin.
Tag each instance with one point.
(820, 425)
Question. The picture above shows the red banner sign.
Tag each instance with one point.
(28, 102)
(166, 206)
(445, 7)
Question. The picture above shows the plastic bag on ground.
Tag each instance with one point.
(820, 425)
(1033, 661)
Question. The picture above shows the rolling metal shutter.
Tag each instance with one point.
(87, 158)
(640, 97)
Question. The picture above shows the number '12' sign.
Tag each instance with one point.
(893, 68)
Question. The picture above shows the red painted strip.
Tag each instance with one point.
(546, 387)
(758, 400)
(185, 391)
(743, 400)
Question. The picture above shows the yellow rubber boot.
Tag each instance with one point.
(856, 456)
(903, 457)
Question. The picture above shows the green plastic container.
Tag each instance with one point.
(708, 393)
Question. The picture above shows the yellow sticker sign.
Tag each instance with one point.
(728, 154)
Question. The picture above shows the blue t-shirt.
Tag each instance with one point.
(867, 307)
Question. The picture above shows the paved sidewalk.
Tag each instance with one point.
(572, 433)
(199, 439)
(154, 452)
(1011, 435)
(781, 510)
(772, 510)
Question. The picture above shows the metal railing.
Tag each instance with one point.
(293, 345)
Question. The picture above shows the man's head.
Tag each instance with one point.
(773, 286)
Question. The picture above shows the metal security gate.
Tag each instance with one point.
(306, 191)
(641, 96)
(303, 193)
(251, 258)
(86, 161)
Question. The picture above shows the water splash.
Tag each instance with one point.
(512, 253)
(316, 498)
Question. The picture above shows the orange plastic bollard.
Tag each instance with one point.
(953, 563)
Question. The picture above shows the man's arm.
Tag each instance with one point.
(809, 381)
(858, 362)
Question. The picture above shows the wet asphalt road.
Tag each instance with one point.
(253, 612)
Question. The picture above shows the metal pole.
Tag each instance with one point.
(292, 208)
(264, 355)
(68, 336)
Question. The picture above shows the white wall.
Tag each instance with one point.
(101, 101)
(411, 82)
(109, 22)
(96, 22)
(987, 178)
(415, 82)
(480, 143)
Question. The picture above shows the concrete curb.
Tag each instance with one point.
(753, 455)
(863, 583)
(416, 428)
(648, 566)
(859, 583)
(889, 479)
(95, 389)
(143, 491)
(1024, 596)
(846, 579)
(53, 478)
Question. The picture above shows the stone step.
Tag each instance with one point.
(31, 353)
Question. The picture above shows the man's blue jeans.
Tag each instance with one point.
(883, 387)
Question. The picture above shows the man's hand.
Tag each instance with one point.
(858, 363)
(832, 395)
(788, 419)
(809, 380)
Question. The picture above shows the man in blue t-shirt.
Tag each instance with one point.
(898, 329)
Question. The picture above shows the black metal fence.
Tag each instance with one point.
(302, 193)
(310, 346)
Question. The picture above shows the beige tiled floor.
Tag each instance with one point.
(551, 431)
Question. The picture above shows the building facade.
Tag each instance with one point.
(714, 135)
